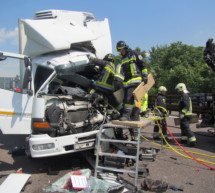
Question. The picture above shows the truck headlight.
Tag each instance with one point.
(43, 146)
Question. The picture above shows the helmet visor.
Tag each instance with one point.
(120, 48)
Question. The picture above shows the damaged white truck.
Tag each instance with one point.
(50, 102)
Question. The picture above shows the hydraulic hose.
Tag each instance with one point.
(167, 147)
(213, 168)
(211, 156)
(191, 156)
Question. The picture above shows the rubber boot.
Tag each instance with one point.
(192, 144)
(192, 141)
(167, 139)
(183, 141)
(125, 115)
(156, 136)
(132, 134)
(135, 115)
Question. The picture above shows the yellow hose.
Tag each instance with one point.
(211, 156)
(174, 149)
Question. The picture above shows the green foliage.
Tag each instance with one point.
(117, 59)
(177, 63)
(142, 53)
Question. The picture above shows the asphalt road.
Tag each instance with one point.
(168, 166)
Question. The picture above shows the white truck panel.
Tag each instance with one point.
(62, 29)
(15, 112)
(51, 35)
(63, 57)
(103, 43)
(38, 112)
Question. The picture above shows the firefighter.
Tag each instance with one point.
(105, 80)
(131, 72)
(106, 73)
(160, 103)
(185, 114)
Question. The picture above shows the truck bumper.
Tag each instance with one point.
(46, 146)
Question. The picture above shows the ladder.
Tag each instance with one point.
(99, 152)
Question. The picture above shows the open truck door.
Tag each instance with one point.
(16, 96)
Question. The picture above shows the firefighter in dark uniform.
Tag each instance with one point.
(185, 114)
(160, 103)
(131, 72)
(104, 82)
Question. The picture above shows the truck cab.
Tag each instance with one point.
(49, 99)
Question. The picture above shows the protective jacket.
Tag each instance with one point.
(161, 102)
(106, 74)
(185, 105)
(132, 69)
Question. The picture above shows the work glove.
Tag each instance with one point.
(145, 79)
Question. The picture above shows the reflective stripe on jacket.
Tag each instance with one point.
(106, 74)
(119, 76)
(129, 71)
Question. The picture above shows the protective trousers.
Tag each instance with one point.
(129, 109)
(156, 129)
(186, 133)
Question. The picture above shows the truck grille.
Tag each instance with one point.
(45, 15)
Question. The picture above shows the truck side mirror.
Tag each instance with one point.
(2, 57)
(27, 77)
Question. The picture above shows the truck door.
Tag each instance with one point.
(15, 99)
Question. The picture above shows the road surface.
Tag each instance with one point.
(168, 166)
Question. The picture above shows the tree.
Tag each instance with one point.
(117, 59)
(181, 63)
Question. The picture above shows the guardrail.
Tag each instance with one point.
(201, 103)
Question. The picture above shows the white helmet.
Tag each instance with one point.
(162, 88)
(181, 87)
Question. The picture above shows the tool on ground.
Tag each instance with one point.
(127, 184)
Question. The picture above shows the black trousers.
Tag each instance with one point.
(162, 125)
(185, 127)
(128, 96)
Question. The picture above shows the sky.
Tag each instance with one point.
(140, 23)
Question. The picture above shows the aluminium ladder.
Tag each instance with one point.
(99, 152)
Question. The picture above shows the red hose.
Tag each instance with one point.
(212, 168)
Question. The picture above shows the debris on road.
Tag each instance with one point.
(66, 185)
(14, 183)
